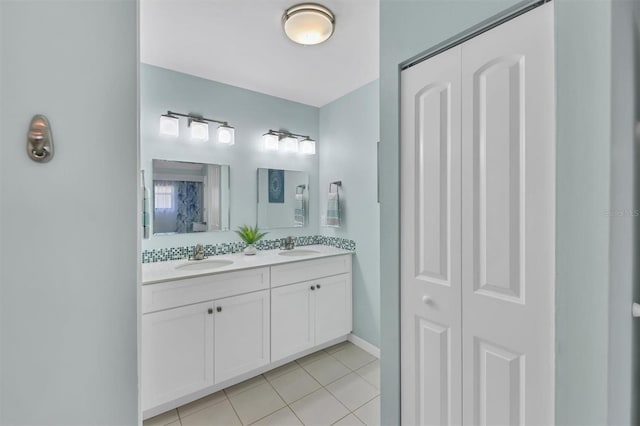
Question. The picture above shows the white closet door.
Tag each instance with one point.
(508, 227)
(430, 232)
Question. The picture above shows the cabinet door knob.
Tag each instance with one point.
(313, 287)
(210, 311)
(219, 309)
(318, 285)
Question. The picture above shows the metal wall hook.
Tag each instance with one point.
(39, 139)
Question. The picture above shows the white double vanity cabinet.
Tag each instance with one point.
(206, 327)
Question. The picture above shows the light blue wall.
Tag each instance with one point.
(68, 235)
(407, 28)
(252, 114)
(583, 99)
(583, 43)
(349, 132)
(623, 204)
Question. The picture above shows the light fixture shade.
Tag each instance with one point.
(270, 141)
(288, 144)
(199, 130)
(226, 134)
(307, 146)
(308, 23)
(169, 125)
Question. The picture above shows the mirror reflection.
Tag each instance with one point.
(189, 197)
(283, 198)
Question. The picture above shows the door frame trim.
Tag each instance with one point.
(474, 31)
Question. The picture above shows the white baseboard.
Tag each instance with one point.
(364, 345)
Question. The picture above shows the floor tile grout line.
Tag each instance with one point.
(354, 370)
(354, 411)
(336, 397)
(324, 386)
(267, 415)
(234, 408)
(226, 398)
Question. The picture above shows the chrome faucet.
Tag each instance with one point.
(198, 253)
(287, 243)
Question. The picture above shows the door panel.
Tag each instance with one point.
(430, 232)
(508, 210)
(498, 92)
(241, 334)
(292, 312)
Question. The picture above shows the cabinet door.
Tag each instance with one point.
(333, 307)
(241, 334)
(292, 314)
(177, 353)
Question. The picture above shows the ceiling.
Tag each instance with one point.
(241, 43)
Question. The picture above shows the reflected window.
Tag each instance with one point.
(163, 196)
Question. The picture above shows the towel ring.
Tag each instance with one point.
(336, 183)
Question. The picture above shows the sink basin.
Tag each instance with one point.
(201, 265)
(298, 252)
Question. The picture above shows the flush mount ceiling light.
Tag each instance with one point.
(308, 23)
(169, 125)
(275, 140)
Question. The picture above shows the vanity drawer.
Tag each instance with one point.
(308, 270)
(156, 297)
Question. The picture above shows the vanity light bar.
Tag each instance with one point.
(276, 140)
(199, 127)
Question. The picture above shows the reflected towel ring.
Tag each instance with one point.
(336, 183)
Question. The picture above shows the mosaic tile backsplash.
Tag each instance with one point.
(177, 253)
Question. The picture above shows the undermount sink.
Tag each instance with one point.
(298, 252)
(201, 265)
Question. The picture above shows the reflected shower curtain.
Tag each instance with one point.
(188, 205)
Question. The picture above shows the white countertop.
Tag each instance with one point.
(166, 271)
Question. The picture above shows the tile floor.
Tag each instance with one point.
(337, 386)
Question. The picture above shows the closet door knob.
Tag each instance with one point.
(318, 285)
(210, 311)
(427, 300)
(219, 309)
(313, 287)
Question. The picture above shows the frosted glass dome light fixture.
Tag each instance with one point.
(308, 23)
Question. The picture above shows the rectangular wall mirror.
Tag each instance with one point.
(189, 197)
(283, 198)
